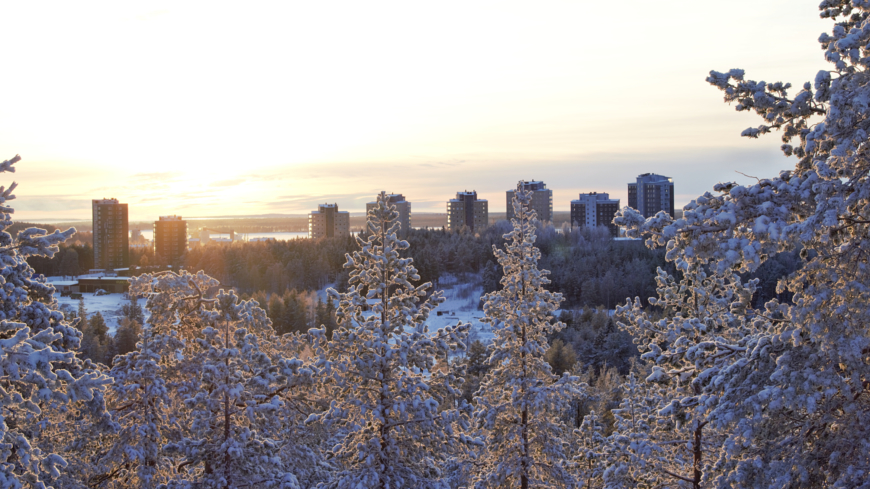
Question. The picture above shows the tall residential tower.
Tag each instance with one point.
(652, 193)
(542, 200)
(111, 245)
(328, 222)
(170, 238)
(467, 210)
(594, 209)
(403, 207)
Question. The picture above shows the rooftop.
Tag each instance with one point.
(594, 196)
(531, 185)
(654, 177)
(394, 198)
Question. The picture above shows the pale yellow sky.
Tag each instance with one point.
(200, 109)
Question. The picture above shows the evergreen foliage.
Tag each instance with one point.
(783, 389)
(384, 370)
(519, 400)
(41, 374)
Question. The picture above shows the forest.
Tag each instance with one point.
(752, 363)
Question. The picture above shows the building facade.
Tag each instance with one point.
(594, 209)
(328, 222)
(111, 241)
(403, 207)
(170, 238)
(467, 210)
(542, 200)
(652, 193)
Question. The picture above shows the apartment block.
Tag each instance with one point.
(403, 207)
(594, 209)
(652, 193)
(170, 238)
(542, 200)
(467, 210)
(328, 222)
(111, 241)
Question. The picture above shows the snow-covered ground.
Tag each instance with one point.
(461, 302)
(462, 298)
(460, 305)
(108, 305)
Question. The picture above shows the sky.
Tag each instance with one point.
(250, 108)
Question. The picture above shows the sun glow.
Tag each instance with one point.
(193, 107)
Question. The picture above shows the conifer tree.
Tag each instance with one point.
(202, 401)
(519, 400)
(703, 332)
(126, 336)
(235, 408)
(133, 311)
(330, 323)
(41, 373)
(794, 404)
(82, 313)
(381, 369)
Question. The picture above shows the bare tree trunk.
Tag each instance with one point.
(227, 459)
(382, 440)
(696, 455)
(524, 477)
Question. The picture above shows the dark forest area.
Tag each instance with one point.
(587, 266)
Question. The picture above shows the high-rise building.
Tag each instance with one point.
(467, 210)
(403, 207)
(111, 241)
(328, 222)
(652, 193)
(170, 238)
(542, 200)
(594, 209)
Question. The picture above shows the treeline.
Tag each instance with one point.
(587, 266)
(272, 266)
(296, 312)
(73, 259)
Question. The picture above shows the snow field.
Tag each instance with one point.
(107, 305)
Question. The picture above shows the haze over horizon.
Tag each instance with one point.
(199, 110)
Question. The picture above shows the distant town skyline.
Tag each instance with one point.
(200, 110)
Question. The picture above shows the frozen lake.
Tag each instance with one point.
(149, 234)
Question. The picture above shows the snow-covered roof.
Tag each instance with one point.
(106, 279)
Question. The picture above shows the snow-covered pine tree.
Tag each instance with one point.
(703, 332)
(629, 448)
(232, 417)
(141, 398)
(520, 400)
(386, 372)
(41, 373)
(797, 404)
(142, 404)
(200, 402)
(590, 445)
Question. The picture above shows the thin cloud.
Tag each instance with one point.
(228, 183)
